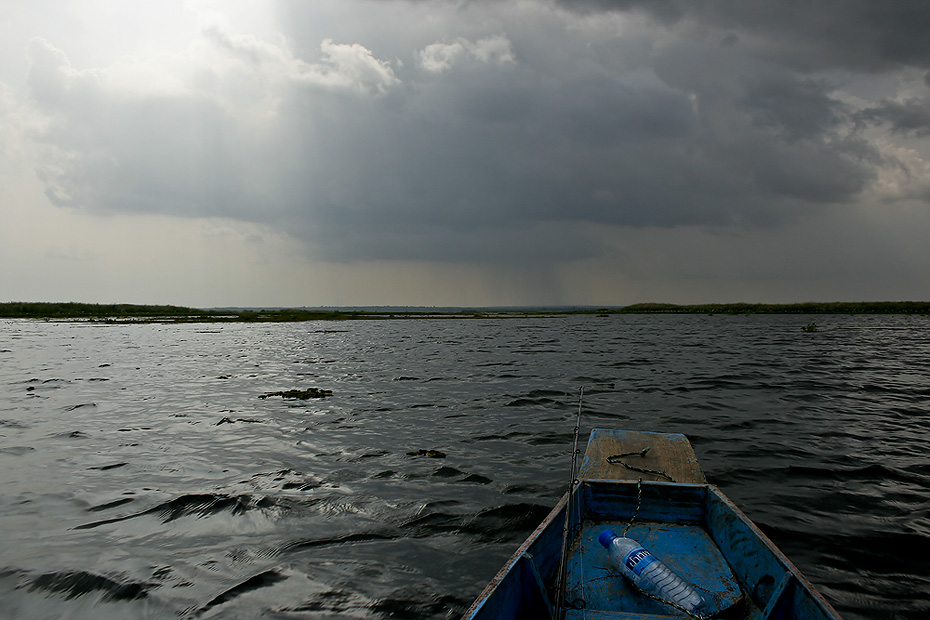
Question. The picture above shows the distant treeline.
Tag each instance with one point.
(144, 313)
(178, 314)
(72, 310)
(837, 307)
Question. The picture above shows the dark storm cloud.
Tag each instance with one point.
(481, 142)
(797, 107)
(852, 34)
(911, 116)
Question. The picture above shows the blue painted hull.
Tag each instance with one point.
(692, 528)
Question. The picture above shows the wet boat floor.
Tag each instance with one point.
(596, 586)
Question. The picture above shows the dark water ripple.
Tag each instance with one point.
(142, 476)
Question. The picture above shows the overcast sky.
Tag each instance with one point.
(469, 153)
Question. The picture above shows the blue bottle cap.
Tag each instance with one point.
(606, 537)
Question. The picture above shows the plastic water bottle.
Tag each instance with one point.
(648, 573)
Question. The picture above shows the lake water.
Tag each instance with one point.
(141, 476)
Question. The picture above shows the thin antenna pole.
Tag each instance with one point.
(569, 511)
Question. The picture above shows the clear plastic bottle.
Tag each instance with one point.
(649, 574)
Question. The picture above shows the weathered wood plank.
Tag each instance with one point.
(669, 453)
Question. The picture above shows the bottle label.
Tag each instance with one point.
(638, 559)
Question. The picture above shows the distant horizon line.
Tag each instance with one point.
(172, 313)
(546, 306)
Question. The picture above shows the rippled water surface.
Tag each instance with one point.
(141, 476)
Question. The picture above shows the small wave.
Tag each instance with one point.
(638, 361)
(447, 472)
(311, 543)
(108, 467)
(78, 583)
(201, 505)
(864, 473)
(452, 472)
(255, 582)
(413, 604)
(17, 450)
(553, 393)
(331, 600)
(477, 479)
(881, 551)
(550, 438)
(534, 402)
(525, 489)
(501, 523)
(283, 479)
(710, 384)
(497, 437)
(79, 406)
(507, 522)
(594, 385)
(205, 505)
(898, 391)
(235, 420)
(108, 505)
(300, 486)
(432, 524)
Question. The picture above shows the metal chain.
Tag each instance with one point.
(670, 603)
(617, 459)
(639, 502)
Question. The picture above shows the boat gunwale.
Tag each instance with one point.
(789, 566)
(509, 565)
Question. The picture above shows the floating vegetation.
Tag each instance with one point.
(106, 467)
(433, 454)
(234, 420)
(810, 327)
(300, 394)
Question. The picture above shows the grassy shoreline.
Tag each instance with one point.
(121, 313)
